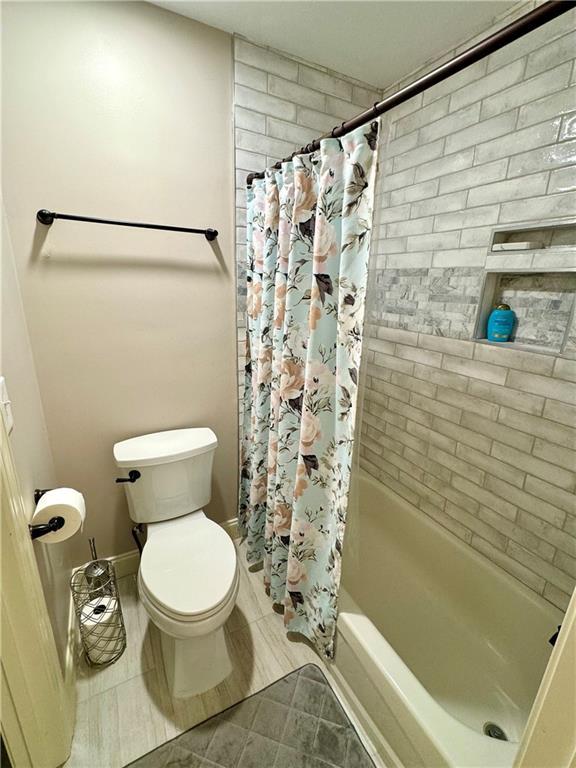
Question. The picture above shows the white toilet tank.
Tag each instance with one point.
(175, 472)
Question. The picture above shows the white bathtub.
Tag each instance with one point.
(433, 640)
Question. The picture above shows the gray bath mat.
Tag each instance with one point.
(296, 722)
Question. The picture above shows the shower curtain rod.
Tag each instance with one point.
(527, 23)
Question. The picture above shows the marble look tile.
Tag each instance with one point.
(489, 84)
(526, 93)
(538, 208)
(511, 189)
(269, 61)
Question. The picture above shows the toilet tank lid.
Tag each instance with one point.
(164, 447)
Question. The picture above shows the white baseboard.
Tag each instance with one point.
(126, 564)
(231, 527)
(70, 660)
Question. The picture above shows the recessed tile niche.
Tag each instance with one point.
(539, 285)
(545, 238)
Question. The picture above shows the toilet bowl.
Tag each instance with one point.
(188, 577)
(188, 582)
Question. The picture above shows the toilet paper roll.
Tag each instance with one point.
(61, 502)
(101, 628)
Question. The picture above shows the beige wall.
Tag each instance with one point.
(29, 439)
(122, 110)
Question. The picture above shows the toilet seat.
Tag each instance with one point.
(188, 569)
(187, 619)
(198, 626)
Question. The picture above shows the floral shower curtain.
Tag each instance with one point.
(308, 240)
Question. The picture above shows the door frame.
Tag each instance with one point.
(549, 738)
(38, 706)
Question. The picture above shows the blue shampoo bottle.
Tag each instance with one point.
(500, 323)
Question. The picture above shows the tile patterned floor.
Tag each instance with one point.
(125, 710)
(296, 722)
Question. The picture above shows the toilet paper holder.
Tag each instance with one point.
(39, 492)
(41, 529)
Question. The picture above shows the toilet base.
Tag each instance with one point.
(196, 664)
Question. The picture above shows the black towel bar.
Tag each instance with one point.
(47, 218)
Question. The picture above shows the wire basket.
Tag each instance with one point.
(99, 613)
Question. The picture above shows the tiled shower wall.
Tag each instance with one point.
(480, 438)
(280, 104)
(492, 146)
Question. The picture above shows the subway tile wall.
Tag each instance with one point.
(483, 440)
(494, 145)
(480, 438)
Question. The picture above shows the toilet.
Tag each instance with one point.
(188, 577)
